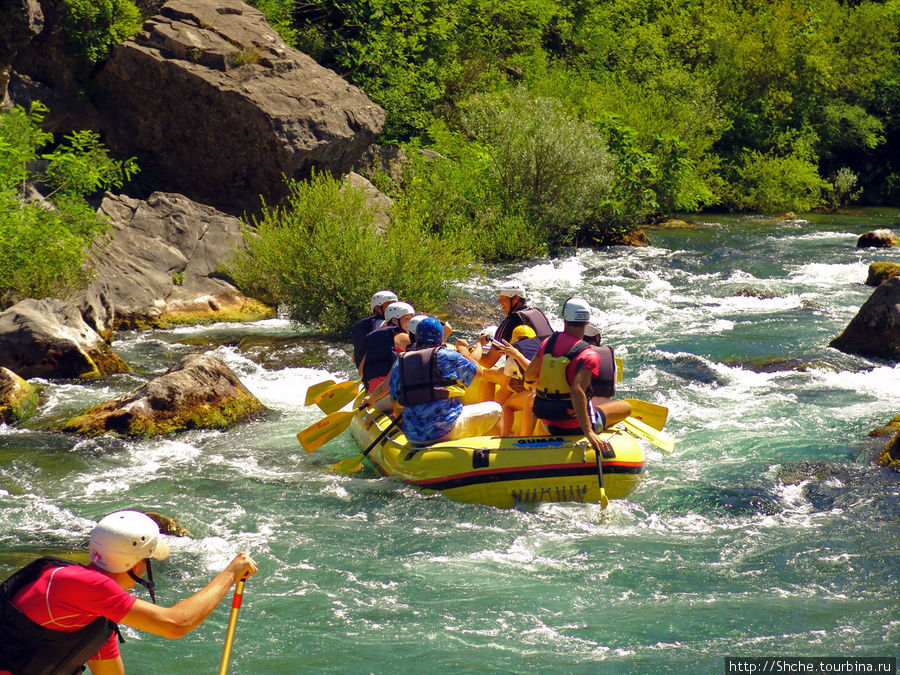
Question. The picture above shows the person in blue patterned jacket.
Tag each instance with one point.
(428, 382)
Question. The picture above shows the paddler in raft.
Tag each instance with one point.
(364, 326)
(382, 347)
(427, 383)
(561, 374)
(56, 615)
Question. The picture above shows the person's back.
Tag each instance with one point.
(560, 357)
(56, 615)
(422, 381)
(363, 327)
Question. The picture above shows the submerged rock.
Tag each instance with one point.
(200, 392)
(18, 399)
(875, 330)
(882, 238)
(49, 338)
(168, 525)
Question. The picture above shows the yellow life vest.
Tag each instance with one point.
(552, 383)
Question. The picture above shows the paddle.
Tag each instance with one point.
(660, 439)
(337, 396)
(318, 434)
(313, 392)
(354, 464)
(232, 624)
(649, 413)
(604, 500)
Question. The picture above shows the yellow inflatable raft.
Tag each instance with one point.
(504, 471)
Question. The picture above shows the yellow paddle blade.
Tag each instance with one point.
(660, 439)
(649, 413)
(313, 392)
(348, 465)
(337, 397)
(604, 500)
(316, 435)
(620, 369)
(357, 402)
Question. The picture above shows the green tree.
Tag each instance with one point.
(45, 245)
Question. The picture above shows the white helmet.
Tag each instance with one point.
(511, 289)
(124, 538)
(576, 310)
(395, 310)
(382, 297)
(413, 322)
(593, 330)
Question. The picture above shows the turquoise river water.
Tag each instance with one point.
(769, 531)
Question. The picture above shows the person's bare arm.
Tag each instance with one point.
(580, 406)
(183, 617)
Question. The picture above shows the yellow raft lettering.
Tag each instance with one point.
(556, 493)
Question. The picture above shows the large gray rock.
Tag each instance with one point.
(216, 106)
(162, 266)
(20, 22)
(198, 392)
(875, 330)
(49, 338)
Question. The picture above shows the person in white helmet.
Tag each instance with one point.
(512, 300)
(56, 615)
(382, 347)
(363, 327)
(561, 374)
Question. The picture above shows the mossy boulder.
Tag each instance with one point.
(892, 427)
(890, 455)
(880, 271)
(200, 392)
(18, 399)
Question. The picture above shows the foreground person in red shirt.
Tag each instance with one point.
(56, 615)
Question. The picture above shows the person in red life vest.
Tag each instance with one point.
(382, 347)
(56, 615)
(603, 387)
(363, 327)
(561, 374)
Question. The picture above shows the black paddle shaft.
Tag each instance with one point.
(381, 436)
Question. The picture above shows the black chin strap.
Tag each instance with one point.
(146, 583)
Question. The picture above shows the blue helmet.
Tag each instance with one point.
(429, 332)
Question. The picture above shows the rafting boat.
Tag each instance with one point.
(503, 471)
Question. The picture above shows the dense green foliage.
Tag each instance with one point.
(760, 104)
(321, 256)
(44, 246)
(97, 26)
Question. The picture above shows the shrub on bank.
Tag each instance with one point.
(321, 256)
